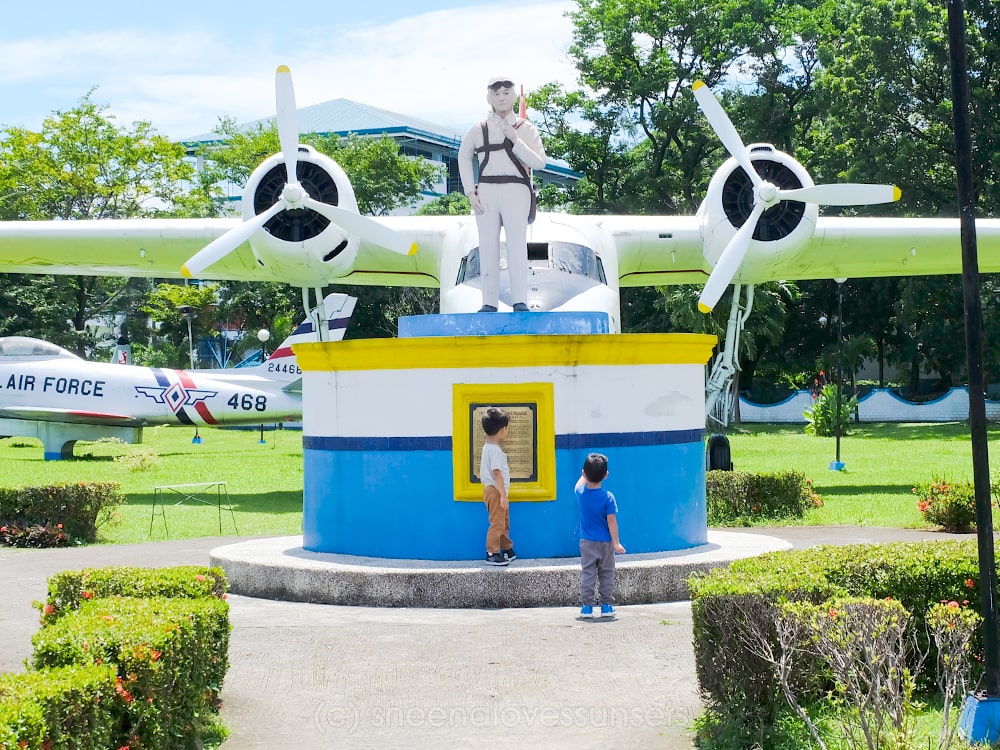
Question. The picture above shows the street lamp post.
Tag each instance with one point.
(838, 465)
(263, 335)
(838, 381)
(189, 314)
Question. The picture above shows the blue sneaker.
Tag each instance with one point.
(607, 610)
(586, 611)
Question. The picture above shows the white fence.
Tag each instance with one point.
(881, 405)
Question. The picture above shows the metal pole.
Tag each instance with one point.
(974, 343)
(190, 342)
(840, 359)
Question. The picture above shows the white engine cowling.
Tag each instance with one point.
(301, 245)
(781, 230)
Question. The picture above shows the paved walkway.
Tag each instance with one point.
(321, 676)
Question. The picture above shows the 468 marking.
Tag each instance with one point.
(248, 402)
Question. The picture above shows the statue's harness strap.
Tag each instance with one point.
(522, 178)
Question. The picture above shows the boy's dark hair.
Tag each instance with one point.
(595, 468)
(494, 420)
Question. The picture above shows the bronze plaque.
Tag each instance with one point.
(521, 445)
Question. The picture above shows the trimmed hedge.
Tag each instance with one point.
(68, 707)
(170, 656)
(737, 498)
(71, 588)
(732, 606)
(62, 513)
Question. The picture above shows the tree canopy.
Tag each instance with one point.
(856, 90)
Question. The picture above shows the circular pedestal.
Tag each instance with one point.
(390, 441)
(280, 568)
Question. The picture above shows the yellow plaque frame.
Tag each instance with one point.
(541, 396)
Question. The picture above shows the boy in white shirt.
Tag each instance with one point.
(494, 473)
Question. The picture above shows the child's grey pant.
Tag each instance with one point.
(597, 564)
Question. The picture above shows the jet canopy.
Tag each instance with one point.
(23, 346)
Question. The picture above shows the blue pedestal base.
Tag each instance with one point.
(837, 465)
(980, 720)
(503, 324)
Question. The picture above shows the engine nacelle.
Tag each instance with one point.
(301, 245)
(781, 230)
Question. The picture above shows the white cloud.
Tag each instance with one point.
(434, 65)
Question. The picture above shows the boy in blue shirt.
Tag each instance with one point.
(598, 537)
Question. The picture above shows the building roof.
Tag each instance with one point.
(343, 116)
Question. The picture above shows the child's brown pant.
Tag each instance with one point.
(498, 536)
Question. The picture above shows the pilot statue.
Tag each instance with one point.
(508, 148)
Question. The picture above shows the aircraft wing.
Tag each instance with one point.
(117, 247)
(46, 414)
(669, 250)
(864, 247)
(159, 247)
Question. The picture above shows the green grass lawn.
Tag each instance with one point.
(883, 463)
(264, 481)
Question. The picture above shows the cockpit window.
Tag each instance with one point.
(567, 257)
(22, 346)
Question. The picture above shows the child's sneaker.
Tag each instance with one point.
(607, 610)
(497, 558)
(586, 611)
(510, 554)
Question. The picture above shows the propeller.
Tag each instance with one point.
(294, 196)
(767, 195)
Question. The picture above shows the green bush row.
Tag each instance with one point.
(67, 512)
(170, 656)
(69, 707)
(737, 498)
(71, 588)
(734, 610)
(146, 649)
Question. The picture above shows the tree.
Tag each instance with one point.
(452, 204)
(82, 165)
(164, 309)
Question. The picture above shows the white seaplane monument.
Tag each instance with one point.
(392, 504)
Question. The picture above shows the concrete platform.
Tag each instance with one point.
(279, 568)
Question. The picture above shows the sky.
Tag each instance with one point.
(183, 64)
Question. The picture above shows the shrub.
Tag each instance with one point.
(863, 643)
(738, 498)
(68, 590)
(951, 506)
(15, 535)
(80, 508)
(822, 419)
(67, 707)
(138, 459)
(170, 656)
(733, 610)
(732, 607)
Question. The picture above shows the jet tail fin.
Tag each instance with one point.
(339, 308)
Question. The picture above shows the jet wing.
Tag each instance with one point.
(46, 414)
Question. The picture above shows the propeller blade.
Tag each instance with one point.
(724, 128)
(729, 262)
(220, 247)
(288, 120)
(843, 194)
(367, 229)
